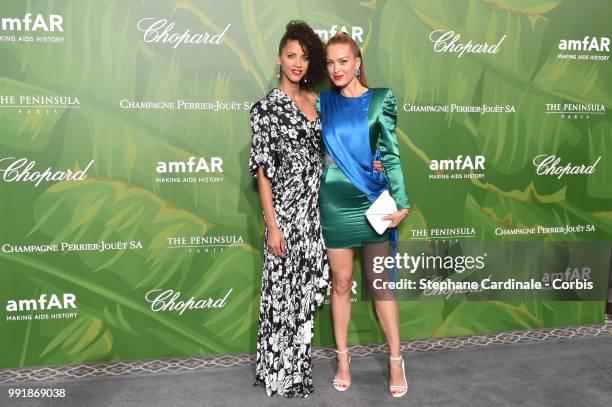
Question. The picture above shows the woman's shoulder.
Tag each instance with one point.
(264, 103)
(386, 92)
(384, 97)
(311, 96)
(329, 93)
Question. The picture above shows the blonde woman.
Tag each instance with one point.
(357, 120)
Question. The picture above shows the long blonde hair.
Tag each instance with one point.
(343, 38)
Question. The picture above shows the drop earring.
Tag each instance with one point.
(278, 71)
(357, 71)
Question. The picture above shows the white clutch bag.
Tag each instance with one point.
(383, 206)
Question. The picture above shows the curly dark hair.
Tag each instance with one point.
(312, 46)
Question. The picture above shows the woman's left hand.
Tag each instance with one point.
(397, 217)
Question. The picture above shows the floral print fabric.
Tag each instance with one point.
(288, 147)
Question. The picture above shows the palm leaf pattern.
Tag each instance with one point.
(103, 60)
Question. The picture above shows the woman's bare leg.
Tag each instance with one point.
(341, 262)
(386, 307)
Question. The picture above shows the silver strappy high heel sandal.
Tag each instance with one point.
(401, 390)
(340, 384)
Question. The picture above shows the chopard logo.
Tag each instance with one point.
(549, 165)
(448, 41)
(162, 31)
(170, 300)
(22, 170)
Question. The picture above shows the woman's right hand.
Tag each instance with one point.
(397, 217)
(377, 164)
(276, 241)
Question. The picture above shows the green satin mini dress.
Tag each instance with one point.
(371, 121)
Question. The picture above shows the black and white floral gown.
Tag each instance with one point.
(288, 147)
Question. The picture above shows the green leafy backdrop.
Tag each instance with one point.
(104, 59)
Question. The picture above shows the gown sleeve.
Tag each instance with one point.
(264, 143)
(318, 107)
(390, 152)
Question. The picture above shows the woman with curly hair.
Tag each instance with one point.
(286, 159)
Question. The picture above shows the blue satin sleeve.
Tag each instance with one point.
(389, 151)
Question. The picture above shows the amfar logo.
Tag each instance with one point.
(356, 33)
(448, 41)
(162, 31)
(599, 44)
(459, 163)
(52, 22)
(42, 303)
(22, 170)
(570, 274)
(549, 165)
(574, 49)
(214, 164)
